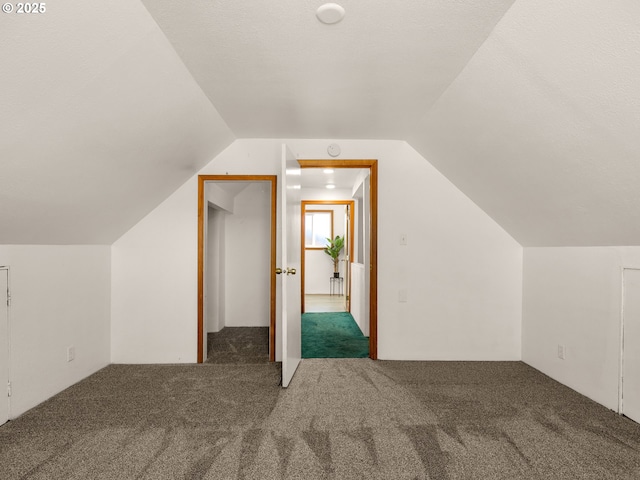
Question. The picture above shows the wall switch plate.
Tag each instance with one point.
(561, 352)
(402, 295)
(71, 354)
(403, 239)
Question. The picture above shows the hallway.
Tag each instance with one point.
(324, 303)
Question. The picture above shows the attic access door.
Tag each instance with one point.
(630, 391)
(4, 345)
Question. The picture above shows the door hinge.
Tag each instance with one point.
(8, 389)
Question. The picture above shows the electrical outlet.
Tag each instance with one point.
(561, 352)
(71, 354)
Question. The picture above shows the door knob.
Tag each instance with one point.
(288, 271)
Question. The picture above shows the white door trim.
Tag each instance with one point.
(621, 359)
(4, 387)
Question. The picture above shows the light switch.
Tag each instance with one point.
(402, 295)
(403, 239)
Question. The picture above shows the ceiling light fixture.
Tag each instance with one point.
(330, 13)
(330, 186)
(328, 170)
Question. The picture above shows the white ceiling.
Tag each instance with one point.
(273, 70)
(99, 122)
(531, 108)
(542, 128)
(310, 178)
(342, 178)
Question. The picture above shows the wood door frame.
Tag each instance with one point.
(202, 179)
(372, 165)
(304, 203)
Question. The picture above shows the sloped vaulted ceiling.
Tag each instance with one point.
(542, 127)
(99, 122)
(531, 108)
(274, 71)
(533, 113)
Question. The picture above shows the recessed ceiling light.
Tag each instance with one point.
(331, 186)
(330, 13)
(328, 170)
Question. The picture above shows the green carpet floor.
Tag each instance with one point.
(332, 335)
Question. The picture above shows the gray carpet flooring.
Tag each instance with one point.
(339, 419)
(233, 345)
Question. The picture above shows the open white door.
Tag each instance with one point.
(4, 345)
(290, 266)
(631, 344)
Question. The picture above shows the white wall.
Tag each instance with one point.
(461, 271)
(154, 284)
(60, 298)
(572, 297)
(359, 304)
(215, 267)
(216, 195)
(220, 202)
(247, 258)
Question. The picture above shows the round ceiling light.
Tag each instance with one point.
(330, 13)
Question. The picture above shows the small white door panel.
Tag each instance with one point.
(631, 344)
(4, 345)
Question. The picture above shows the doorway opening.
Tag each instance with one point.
(369, 254)
(322, 290)
(221, 284)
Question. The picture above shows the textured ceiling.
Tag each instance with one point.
(542, 128)
(273, 70)
(99, 122)
(342, 178)
(531, 108)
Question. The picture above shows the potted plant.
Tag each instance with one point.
(333, 249)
